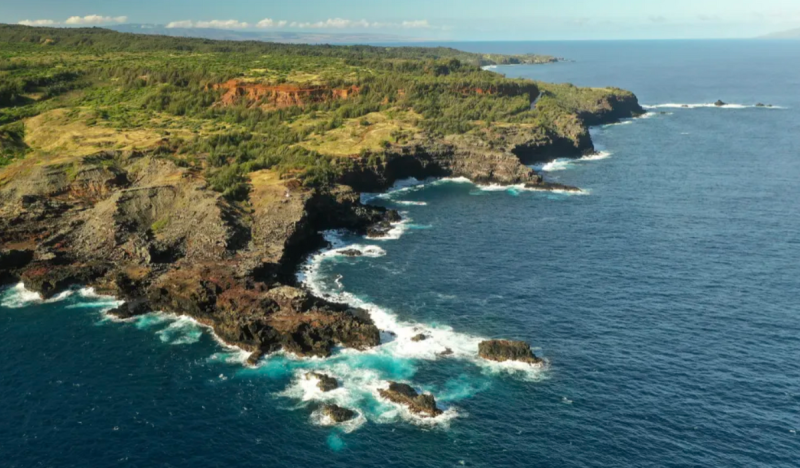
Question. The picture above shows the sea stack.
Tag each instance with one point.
(423, 405)
(506, 350)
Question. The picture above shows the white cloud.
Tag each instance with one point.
(341, 23)
(213, 24)
(270, 23)
(331, 23)
(222, 24)
(94, 20)
(417, 24)
(39, 22)
(180, 24)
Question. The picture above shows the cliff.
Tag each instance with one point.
(140, 227)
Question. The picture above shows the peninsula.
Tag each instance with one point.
(194, 176)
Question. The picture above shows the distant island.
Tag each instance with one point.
(194, 176)
(790, 34)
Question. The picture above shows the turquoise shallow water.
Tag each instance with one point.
(665, 300)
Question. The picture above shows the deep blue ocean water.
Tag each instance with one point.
(665, 299)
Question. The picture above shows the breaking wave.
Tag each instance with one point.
(562, 164)
(708, 105)
(18, 296)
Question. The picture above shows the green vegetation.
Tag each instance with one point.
(74, 92)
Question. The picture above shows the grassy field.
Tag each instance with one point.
(68, 93)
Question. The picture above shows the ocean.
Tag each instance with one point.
(664, 298)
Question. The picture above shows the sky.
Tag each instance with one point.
(433, 19)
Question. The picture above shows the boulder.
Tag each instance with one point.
(420, 337)
(720, 103)
(337, 413)
(325, 382)
(760, 104)
(506, 350)
(423, 405)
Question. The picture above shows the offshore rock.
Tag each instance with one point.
(338, 414)
(325, 382)
(423, 405)
(720, 103)
(505, 350)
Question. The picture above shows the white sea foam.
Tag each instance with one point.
(562, 164)
(361, 374)
(411, 203)
(439, 338)
(17, 297)
(707, 105)
(183, 330)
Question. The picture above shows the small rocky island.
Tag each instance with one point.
(423, 405)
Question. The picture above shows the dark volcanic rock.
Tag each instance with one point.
(379, 230)
(446, 352)
(760, 104)
(337, 413)
(505, 350)
(326, 383)
(254, 357)
(420, 337)
(352, 253)
(424, 405)
(131, 309)
(720, 103)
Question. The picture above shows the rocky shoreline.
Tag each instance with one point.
(139, 227)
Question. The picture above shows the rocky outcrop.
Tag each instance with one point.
(720, 103)
(505, 350)
(155, 235)
(325, 382)
(338, 414)
(423, 405)
(279, 96)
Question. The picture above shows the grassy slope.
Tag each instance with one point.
(66, 93)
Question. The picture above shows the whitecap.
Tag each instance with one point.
(707, 105)
(17, 297)
(410, 203)
(183, 330)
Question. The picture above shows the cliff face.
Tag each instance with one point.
(279, 96)
(154, 234)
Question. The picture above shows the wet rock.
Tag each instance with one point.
(131, 309)
(506, 350)
(254, 357)
(720, 103)
(352, 253)
(325, 382)
(760, 104)
(423, 405)
(446, 352)
(418, 338)
(685, 106)
(337, 413)
(379, 230)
